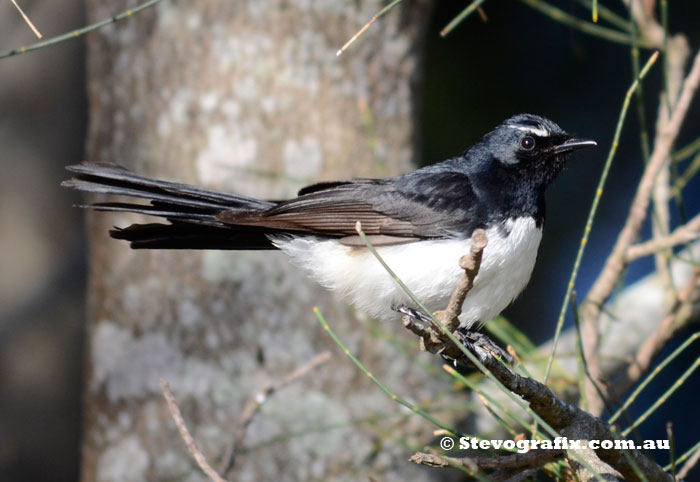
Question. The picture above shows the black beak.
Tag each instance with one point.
(572, 145)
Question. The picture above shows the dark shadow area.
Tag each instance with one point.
(42, 249)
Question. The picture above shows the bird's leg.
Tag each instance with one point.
(435, 341)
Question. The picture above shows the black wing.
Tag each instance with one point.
(425, 205)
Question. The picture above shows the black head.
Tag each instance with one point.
(530, 148)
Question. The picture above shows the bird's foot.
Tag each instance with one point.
(481, 345)
(433, 339)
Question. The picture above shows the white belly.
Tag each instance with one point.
(429, 268)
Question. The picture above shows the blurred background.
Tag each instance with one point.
(42, 249)
(483, 72)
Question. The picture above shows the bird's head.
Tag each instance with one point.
(531, 147)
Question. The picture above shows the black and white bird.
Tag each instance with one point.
(421, 222)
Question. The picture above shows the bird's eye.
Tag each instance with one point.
(527, 143)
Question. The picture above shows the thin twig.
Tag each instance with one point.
(607, 14)
(681, 235)
(641, 111)
(26, 19)
(256, 401)
(676, 53)
(687, 175)
(688, 466)
(581, 354)
(475, 5)
(185, 434)
(594, 11)
(672, 439)
(560, 15)
(81, 31)
(376, 17)
(687, 150)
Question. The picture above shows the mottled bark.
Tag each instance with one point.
(246, 96)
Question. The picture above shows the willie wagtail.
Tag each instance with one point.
(421, 222)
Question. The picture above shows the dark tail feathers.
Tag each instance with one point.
(191, 210)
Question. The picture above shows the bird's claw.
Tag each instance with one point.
(481, 345)
(435, 341)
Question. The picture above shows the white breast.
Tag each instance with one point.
(429, 268)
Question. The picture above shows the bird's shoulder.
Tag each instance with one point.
(329, 185)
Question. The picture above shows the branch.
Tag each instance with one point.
(533, 458)
(252, 406)
(186, 436)
(649, 28)
(576, 424)
(470, 264)
(690, 231)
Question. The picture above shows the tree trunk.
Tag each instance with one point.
(244, 96)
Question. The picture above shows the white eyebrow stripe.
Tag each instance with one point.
(532, 130)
